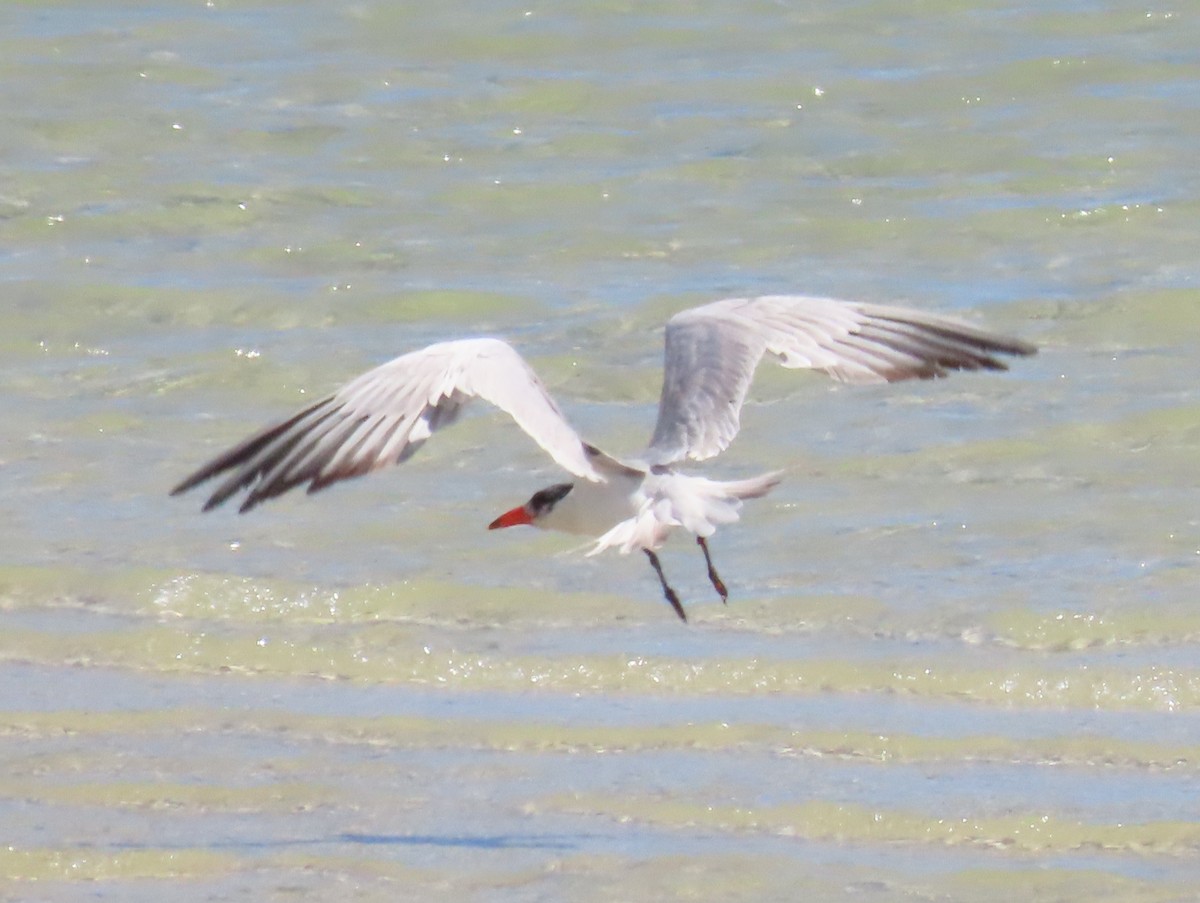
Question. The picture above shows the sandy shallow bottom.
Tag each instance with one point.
(959, 659)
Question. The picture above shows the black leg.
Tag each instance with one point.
(717, 582)
(667, 591)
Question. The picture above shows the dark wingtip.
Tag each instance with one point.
(189, 482)
(241, 458)
(1009, 345)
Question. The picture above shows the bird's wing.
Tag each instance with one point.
(385, 415)
(712, 352)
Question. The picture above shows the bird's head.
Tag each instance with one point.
(539, 505)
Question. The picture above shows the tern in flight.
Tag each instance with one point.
(384, 416)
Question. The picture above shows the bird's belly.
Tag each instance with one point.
(594, 508)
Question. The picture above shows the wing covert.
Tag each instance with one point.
(384, 416)
(711, 353)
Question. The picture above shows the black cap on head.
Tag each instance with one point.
(545, 499)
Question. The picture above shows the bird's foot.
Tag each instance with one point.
(673, 598)
(713, 577)
(669, 594)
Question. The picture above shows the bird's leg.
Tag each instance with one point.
(666, 587)
(717, 582)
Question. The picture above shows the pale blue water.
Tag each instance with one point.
(970, 604)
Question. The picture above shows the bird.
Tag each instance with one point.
(711, 352)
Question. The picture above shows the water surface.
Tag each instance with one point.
(959, 659)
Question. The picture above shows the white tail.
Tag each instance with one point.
(670, 500)
(753, 488)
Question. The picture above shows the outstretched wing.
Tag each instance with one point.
(385, 415)
(712, 352)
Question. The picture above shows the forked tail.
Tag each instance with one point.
(697, 504)
(753, 488)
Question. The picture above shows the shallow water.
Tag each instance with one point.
(959, 659)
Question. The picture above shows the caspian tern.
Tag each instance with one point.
(385, 415)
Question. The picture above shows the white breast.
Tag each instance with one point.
(591, 509)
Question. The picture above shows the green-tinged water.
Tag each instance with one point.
(959, 659)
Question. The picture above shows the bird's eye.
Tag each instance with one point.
(550, 496)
